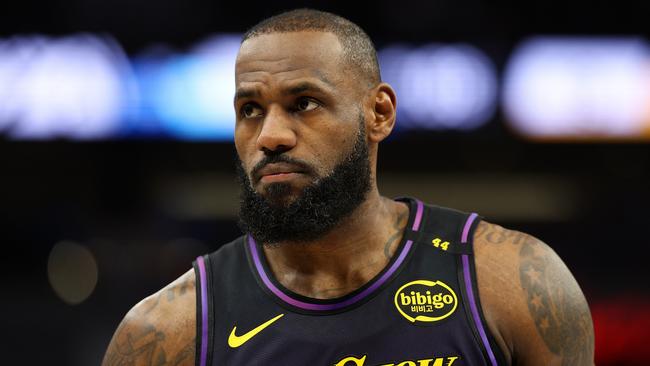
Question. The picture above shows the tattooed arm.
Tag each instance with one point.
(531, 302)
(160, 330)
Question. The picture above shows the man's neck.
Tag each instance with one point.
(348, 256)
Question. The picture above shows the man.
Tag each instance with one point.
(329, 271)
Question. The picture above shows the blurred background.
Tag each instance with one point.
(116, 154)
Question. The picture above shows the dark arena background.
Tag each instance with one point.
(116, 155)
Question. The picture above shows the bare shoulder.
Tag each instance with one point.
(531, 301)
(160, 330)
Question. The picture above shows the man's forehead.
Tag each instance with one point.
(317, 52)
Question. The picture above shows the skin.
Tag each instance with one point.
(295, 96)
(271, 118)
(159, 330)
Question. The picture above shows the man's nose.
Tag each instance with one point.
(277, 134)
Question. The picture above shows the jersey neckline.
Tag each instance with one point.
(296, 302)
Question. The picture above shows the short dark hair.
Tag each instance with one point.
(358, 50)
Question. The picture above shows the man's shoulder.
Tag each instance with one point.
(503, 253)
(530, 299)
(494, 242)
(161, 329)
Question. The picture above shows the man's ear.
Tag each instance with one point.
(383, 104)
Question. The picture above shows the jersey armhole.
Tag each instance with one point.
(204, 318)
(474, 311)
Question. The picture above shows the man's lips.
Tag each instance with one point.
(280, 177)
(275, 172)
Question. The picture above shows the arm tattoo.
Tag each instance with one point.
(556, 305)
(495, 234)
(148, 306)
(186, 355)
(136, 347)
(143, 345)
(396, 235)
(177, 291)
(171, 294)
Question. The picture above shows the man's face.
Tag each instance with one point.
(293, 98)
(300, 136)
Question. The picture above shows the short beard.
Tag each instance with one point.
(317, 210)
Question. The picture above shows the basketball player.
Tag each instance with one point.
(329, 272)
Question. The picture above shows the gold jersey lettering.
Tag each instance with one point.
(438, 361)
(352, 361)
(451, 360)
(439, 243)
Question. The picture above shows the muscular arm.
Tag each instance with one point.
(532, 303)
(160, 330)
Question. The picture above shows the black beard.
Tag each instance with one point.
(317, 210)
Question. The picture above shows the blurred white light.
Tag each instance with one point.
(590, 87)
(72, 271)
(192, 94)
(441, 87)
(70, 87)
(83, 87)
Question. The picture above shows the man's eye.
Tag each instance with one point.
(251, 111)
(306, 105)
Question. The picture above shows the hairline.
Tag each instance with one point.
(346, 56)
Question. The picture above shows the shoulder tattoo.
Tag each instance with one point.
(555, 303)
(138, 341)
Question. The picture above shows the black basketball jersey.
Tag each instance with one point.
(422, 309)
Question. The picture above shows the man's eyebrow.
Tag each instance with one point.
(293, 90)
(246, 93)
(304, 87)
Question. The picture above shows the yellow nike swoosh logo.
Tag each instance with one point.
(235, 341)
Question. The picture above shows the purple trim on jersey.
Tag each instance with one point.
(468, 224)
(325, 307)
(204, 312)
(418, 216)
(470, 292)
(335, 306)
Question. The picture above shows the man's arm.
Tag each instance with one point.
(531, 301)
(160, 330)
